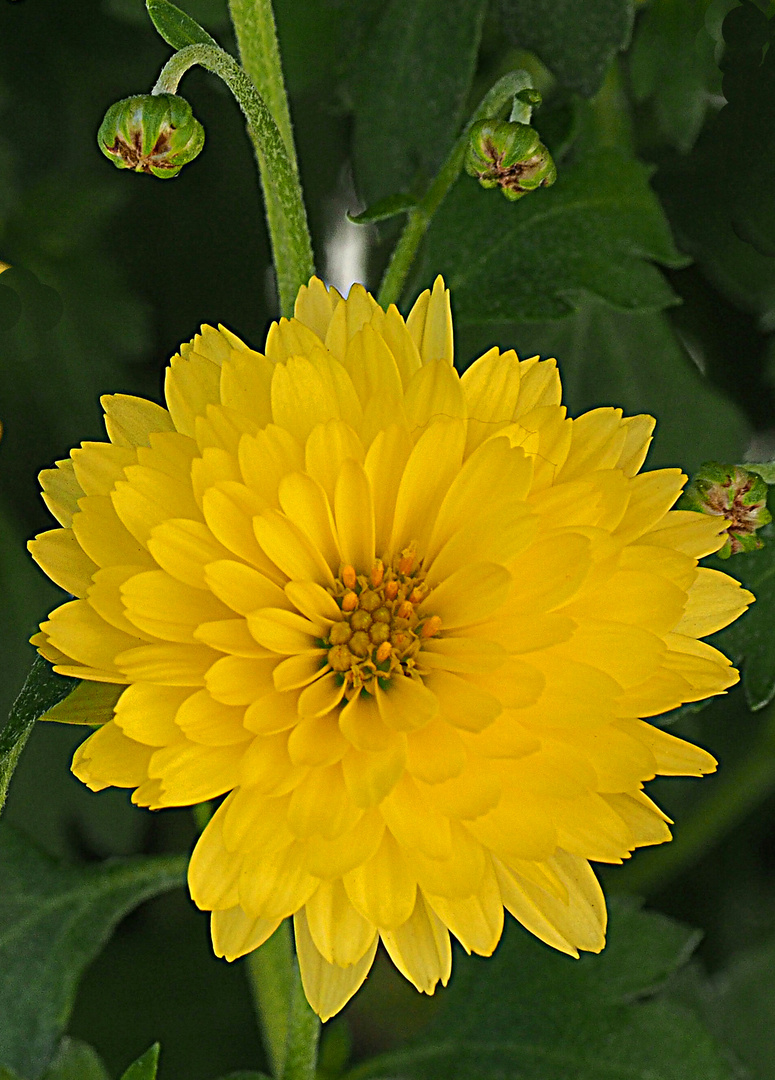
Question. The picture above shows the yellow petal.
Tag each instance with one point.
(238, 680)
(327, 987)
(183, 548)
(341, 935)
(284, 632)
(146, 713)
(320, 805)
(191, 773)
(300, 670)
(241, 587)
(329, 445)
(361, 723)
(315, 306)
(386, 459)
(304, 502)
(290, 550)
(129, 420)
(266, 457)
(434, 393)
(420, 948)
(371, 775)
(430, 324)
(204, 720)
(317, 740)
(272, 712)
(78, 631)
(383, 889)
(61, 491)
(714, 600)
(169, 664)
(405, 704)
(108, 758)
(491, 388)
(476, 920)
(321, 696)
(235, 934)
(468, 595)
(61, 557)
(578, 924)
(246, 378)
(354, 512)
(461, 703)
(163, 606)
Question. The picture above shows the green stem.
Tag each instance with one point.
(270, 970)
(737, 793)
(285, 210)
(500, 95)
(303, 1035)
(254, 25)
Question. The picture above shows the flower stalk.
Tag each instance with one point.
(285, 211)
(501, 94)
(289, 1027)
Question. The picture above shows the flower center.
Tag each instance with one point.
(381, 632)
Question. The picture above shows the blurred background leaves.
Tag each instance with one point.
(648, 270)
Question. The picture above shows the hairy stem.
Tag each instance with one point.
(286, 215)
(500, 95)
(270, 970)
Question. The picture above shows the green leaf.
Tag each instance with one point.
(740, 1004)
(410, 87)
(634, 362)
(76, 1060)
(42, 690)
(385, 208)
(90, 703)
(177, 28)
(576, 39)
(145, 1067)
(673, 68)
(532, 1013)
(723, 195)
(242, 1076)
(54, 919)
(596, 233)
(765, 469)
(749, 640)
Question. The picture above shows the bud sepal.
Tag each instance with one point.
(151, 133)
(509, 155)
(734, 493)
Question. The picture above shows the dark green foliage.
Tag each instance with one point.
(588, 235)
(749, 641)
(177, 28)
(723, 196)
(673, 68)
(111, 272)
(410, 85)
(41, 691)
(637, 363)
(538, 1015)
(53, 922)
(576, 39)
(145, 1067)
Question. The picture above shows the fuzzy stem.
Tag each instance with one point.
(303, 1034)
(500, 95)
(270, 971)
(285, 210)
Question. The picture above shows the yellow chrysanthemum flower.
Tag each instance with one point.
(407, 622)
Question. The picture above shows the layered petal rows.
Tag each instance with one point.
(408, 624)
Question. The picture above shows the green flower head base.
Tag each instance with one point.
(509, 155)
(736, 494)
(151, 133)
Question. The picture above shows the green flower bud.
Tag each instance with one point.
(509, 155)
(151, 133)
(734, 493)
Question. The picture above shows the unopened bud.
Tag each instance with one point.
(151, 133)
(734, 493)
(509, 155)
